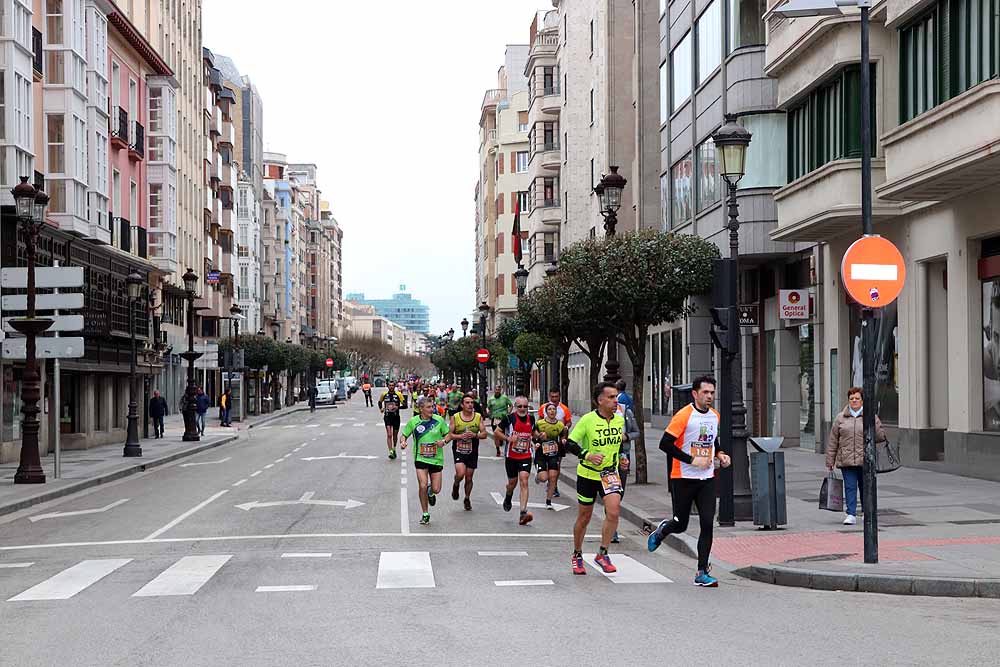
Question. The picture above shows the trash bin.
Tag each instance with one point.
(767, 479)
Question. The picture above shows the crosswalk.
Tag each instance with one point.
(339, 424)
(396, 570)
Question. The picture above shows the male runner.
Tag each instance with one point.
(454, 400)
(551, 448)
(565, 416)
(497, 407)
(389, 406)
(597, 440)
(691, 439)
(466, 429)
(517, 431)
(429, 431)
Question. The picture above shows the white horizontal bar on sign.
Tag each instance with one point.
(874, 272)
(46, 277)
(45, 348)
(71, 301)
(59, 323)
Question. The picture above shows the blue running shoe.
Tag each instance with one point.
(555, 493)
(706, 580)
(654, 541)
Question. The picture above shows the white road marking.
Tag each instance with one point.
(336, 425)
(308, 554)
(157, 533)
(498, 497)
(56, 515)
(254, 474)
(342, 455)
(308, 495)
(184, 577)
(291, 426)
(502, 553)
(348, 504)
(360, 424)
(242, 481)
(72, 580)
(268, 466)
(405, 569)
(264, 427)
(630, 571)
(204, 463)
(283, 589)
(279, 460)
(525, 582)
(10, 566)
(404, 510)
(312, 425)
(323, 433)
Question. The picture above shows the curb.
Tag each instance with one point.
(887, 584)
(111, 476)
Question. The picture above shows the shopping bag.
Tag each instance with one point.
(831, 494)
(886, 456)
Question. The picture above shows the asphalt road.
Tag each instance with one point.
(193, 564)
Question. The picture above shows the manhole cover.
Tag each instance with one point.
(818, 559)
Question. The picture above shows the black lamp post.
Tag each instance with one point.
(132, 446)
(609, 191)
(191, 394)
(484, 313)
(31, 205)
(235, 312)
(521, 279)
(465, 326)
(555, 365)
(735, 501)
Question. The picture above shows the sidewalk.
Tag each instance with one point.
(84, 468)
(939, 534)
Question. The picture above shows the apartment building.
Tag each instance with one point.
(336, 271)
(402, 309)
(281, 246)
(936, 104)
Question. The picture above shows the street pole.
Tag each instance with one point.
(869, 495)
(190, 395)
(611, 367)
(132, 446)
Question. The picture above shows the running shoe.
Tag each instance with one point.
(604, 562)
(526, 518)
(706, 580)
(506, 503)
(454, 491)
(468, 505)
(555, 493)
(425, 519)
(614, 540)
(548, 505)
(431, 498)
(392, 454)
(577, 562)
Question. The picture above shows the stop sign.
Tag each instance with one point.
(483, 355)
(329, 362)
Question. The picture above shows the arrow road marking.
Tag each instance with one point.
(204, 463)
(556, 506)
(306, 499)
(342, 455)
(56, 515)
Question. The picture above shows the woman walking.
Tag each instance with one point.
(845, 448)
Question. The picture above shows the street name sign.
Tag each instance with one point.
(46, 277)
(45, 348)
(72, 301)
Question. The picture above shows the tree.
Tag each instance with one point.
(533, 348)
(543, 311)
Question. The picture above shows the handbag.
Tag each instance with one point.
(831, 493)
(886, 456)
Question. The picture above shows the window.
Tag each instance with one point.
(826, 126)
(116, 85)
(918, 71)
(770, 136)
(54, 21)
(56, 137)
(522, 162)
(664, 202)
(991, 354)
(709, 40)
(133, 203)
(680, 191)
(116, 193)
(57, 195)
(591, 106)
(591, 37)
(499, 245)
(664, 93)
(522, 121)
(522, 201)
(709, 190)
(680, 72)
(500, 283)
(746, 23)
(55, 67)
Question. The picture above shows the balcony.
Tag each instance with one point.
(122, 230)
(947, 151)
(37, 54)
(100, 228)
(137, 149)
(826, 202)
(547, 153)
(119, 129)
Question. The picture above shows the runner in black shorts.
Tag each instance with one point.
(466, 429)
(551, 449)
(389, 405)
(517, 432)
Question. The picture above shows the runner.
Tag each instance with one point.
(454, 400)
(630, 435)
(389, 406)
(691, 439)
(466, 429)
(498, 406)
(597, 440)
(565, 416)
(552, 447)
(517, 431)
(429, 431)
(367, 389)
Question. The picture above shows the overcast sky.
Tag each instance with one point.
(384, 97)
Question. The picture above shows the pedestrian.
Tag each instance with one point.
(366, 388)
(623, 396)
(202, 403)
(845, 448)
(313, 391)
(157, 410)
(225, 407)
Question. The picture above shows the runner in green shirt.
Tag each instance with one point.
(429, 431)
(454, 400)
(498, 406)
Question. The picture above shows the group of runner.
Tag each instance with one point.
(601, 440)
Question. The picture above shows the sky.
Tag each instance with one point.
(384, 97)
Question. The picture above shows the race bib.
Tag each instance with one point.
(522, 445)
(391, 407)
(463, 446)
(550, 448)
(428, 450)
(611, 481)
(698, 450)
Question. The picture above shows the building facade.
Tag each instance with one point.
(402, 309)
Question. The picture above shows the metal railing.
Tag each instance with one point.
(138, 138)
(119, 129)
(36, 51)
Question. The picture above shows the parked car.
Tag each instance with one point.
(341, 391)
(325, 394)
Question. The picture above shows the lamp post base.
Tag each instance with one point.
(190, 427)
(33, 475)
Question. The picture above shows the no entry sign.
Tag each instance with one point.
(329, 362)
(483, 355)
(873, 271)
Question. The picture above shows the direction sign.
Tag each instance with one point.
(45, 348)
(482, 355)
(747, 315)
(212, 277)
(329, 362)
(873, 271)
(59, 323)
(73, 301)
(46, 277)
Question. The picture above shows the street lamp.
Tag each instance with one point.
(132, 446)
(735, 500)
(521, 278)
(30, 205)
(609, 191)
(190, 279)
(235, 313)
(484, 313)
(869, 495)
(465, 326)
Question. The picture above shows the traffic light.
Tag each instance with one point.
(723, 331)
(723, 310)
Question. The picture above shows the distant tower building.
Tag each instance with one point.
(402, 309)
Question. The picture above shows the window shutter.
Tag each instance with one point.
(500, 161)
(513, 284)
(500, 285)
(513, 201)
(499, 243)
(500, 210)
(513, 162)
(522, 117)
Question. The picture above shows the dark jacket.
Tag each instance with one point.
(158, 407)
(203, 402)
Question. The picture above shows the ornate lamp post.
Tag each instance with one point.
(465, 326)
(191, 394)
(609, 191)
(132, 446)
(484, 313)
(735, 500)
(31, 205)
(521, 279)
(235, 312)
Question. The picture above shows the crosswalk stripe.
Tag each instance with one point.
(184, 577)
(282, 589)
(630, 571)
(405, 569)
(4, 566)
(308, 554)
(72, 580)
(525, 582)
(502, 553)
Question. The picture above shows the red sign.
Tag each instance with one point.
(873, 271)
(483, 355)
(329, 362)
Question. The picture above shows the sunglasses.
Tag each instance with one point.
(520, 405)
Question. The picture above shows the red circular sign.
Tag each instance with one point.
(483, 355)
(873, 271)
(329, 362)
